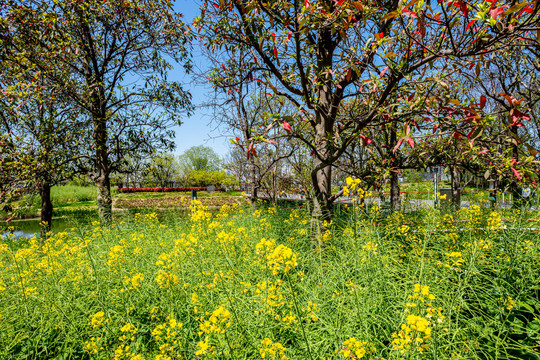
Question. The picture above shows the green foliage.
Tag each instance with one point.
(206, 178)
(244, 283)
(161, 170)
(72, 193)
(96, 54)
(200, 158)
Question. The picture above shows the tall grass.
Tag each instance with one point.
(72, 193)
(246, 284)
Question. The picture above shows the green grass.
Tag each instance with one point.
(72, 193)
(240, 284)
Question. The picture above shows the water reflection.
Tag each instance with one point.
(28, 228)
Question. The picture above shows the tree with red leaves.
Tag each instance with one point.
(318, 54)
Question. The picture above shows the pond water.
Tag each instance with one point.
(28, 228)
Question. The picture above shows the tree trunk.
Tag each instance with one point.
(102, 179)
(325, 117)
(46, 212)
(104, 200)
(456, 187)
(321, 177)
(395, 199)
(517, 199)
(254, 186)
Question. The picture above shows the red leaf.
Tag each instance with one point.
(271, 141)
(463, 7)
(457, 135)
(349, 74)
(289, 35)
(384, 71)
(286, 126)
(366, 140)
(497, 11)
(467, 29)
(470, 132)
(409, 13)
(516, 114)
(251, 150)
(482, 101)
(306, 3)
(275, 52)
(516, 173)
(411, 142)
(216, 6)
(397, 146)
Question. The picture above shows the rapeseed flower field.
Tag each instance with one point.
(246, 283)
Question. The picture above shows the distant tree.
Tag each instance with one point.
(111, 58)
(208, 178)
(133, 172)
(162, 170)
(244, 110)
(199, 158)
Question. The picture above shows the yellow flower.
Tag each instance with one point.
(219, 320)
(272, 350)
(97, 319)
(356, 349)
(282, 259)
(203, 347)
(135, 281)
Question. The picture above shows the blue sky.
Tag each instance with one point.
(197, 129)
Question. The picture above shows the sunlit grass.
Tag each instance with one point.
(72, 193)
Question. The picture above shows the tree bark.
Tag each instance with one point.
(102, 178)
(321, 176)
(395, 198)
(254, 186)
(456, 187)
(46, 211)
(325, 117)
